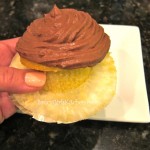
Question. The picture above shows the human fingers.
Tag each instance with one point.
(7, 51)
(11, 43)
(14, 80)
(7, 108)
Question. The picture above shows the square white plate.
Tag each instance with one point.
(130, 104)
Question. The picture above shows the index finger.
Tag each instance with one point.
(11, 44)
(7, 51)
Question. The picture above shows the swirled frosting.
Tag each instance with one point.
(64, 38)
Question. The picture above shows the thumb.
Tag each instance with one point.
(20, 81)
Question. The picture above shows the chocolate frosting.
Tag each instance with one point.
(64, 38)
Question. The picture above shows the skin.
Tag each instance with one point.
(12, 80)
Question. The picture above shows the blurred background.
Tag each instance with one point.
(15, 15)
(22, 132)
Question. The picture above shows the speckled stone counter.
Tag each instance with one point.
(21, 132)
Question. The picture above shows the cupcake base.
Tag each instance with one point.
(73, 104)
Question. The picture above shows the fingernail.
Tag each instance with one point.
(35, 79)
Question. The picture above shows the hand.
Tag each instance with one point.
(14, 80)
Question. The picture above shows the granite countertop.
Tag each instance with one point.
(23, 132)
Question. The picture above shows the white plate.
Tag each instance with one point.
(130, 103)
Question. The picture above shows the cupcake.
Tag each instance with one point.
(72, 49)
